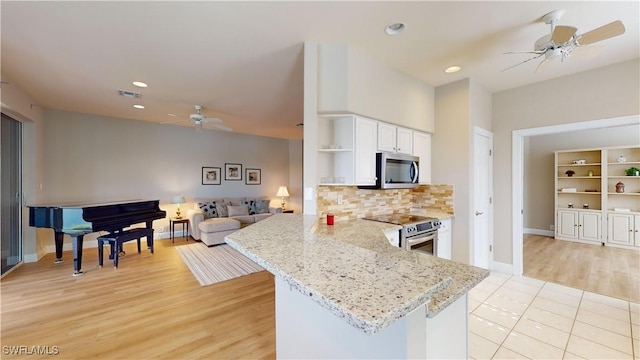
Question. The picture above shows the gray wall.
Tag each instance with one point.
(608, 92)
(539, 166)
(96, 158)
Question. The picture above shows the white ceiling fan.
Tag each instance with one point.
(564, 41)
(198, 120)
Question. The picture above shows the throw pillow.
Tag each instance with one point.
(251, 205)
(221, 207)
(262, 206)
(208, 209)
(238, 210)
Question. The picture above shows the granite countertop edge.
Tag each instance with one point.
(436, 298)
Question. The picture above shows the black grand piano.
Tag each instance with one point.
(80, 219)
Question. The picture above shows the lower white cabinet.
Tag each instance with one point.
(579, 225)
(623, 229)
(444, 239)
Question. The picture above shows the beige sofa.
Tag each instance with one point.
(210, 220)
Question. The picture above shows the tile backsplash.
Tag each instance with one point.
(357, 203)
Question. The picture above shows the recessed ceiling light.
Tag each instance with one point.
(140, 84)
(171, 114)
(138, 106)
(395, 28)
(452, 69)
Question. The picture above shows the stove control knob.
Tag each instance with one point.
(411, 229)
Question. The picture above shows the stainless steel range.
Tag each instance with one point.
(419, 233)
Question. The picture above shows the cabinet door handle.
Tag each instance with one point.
(478, 213)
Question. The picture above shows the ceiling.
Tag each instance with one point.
(243, 61)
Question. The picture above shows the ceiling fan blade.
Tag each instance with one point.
(562, 34)
(526, 52)
(222, 127)
(520, 63)
(541, 65)
(212, 120)
(173, 122)
(587, 51)
(602, 33)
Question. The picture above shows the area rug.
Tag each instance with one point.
(214, 264)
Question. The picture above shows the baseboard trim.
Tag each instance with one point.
(540, 232)
(502, 267)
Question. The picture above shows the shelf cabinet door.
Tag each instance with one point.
(404, 141)
(567, 224)
(621, 229)
(366, 132)
(422, 149)
(589, 226)
(386, 137)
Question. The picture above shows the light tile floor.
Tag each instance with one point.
(514, 317)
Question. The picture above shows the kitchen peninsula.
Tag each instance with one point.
(343, 291)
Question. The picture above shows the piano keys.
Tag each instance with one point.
(79, 219)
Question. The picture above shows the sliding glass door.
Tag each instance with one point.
(10, 192)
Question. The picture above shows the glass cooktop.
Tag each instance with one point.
(401, 219)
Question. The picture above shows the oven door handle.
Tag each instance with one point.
(421, 239)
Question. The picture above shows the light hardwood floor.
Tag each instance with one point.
(604, 270)
(151, 307)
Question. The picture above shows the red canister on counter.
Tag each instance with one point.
(329, 219)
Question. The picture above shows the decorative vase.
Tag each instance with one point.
(620, 187)
(622, 159)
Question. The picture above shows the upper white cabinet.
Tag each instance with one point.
(346, 150)
(365, 151)
(395, 139)
(422, 149)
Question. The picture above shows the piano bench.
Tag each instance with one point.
(115, 240)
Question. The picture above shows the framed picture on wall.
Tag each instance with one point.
(211, 175)
(253, 177)
(232, 171)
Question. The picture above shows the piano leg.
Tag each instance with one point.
(59, 240)
(76, 242)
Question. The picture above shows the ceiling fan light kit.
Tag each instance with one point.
(198, 119)
(563, 40)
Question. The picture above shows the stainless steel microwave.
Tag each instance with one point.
(395, 171)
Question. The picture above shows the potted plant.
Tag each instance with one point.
(633, 171)
(570, 173)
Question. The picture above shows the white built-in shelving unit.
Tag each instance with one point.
(589, 205)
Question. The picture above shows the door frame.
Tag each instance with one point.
(517, 173)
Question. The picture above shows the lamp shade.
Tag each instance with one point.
(178, 200)
(282, 191)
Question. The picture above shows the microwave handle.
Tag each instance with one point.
(414, 172)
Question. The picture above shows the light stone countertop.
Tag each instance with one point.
(351, 268)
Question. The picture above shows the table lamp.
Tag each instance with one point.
(282, 192)
(178, 200)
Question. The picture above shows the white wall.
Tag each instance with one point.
(351, 81)
(459, 107)
(539, 166)
(604, 93)
(96, 158)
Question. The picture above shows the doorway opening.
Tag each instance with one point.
(518, 141)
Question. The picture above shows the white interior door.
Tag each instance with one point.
(482, 198)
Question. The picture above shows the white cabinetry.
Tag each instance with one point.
(444, 239)
(365, 151)
(422, 149)
(623, 229)
(579, 225)
(395, 139)
(346, 150)
(603, 181)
